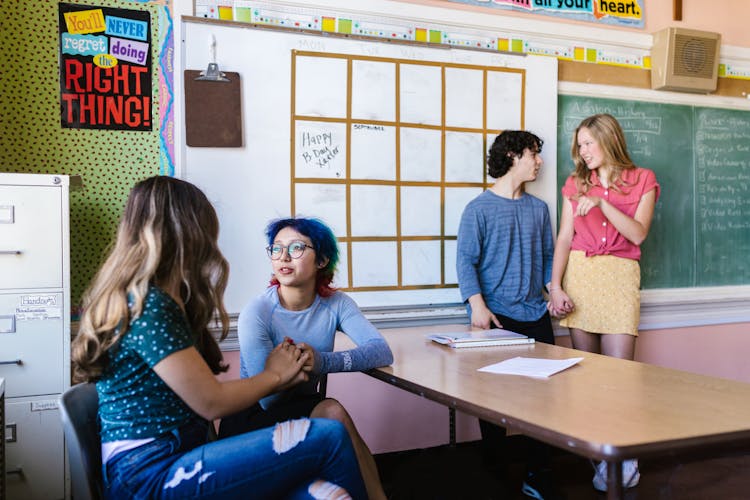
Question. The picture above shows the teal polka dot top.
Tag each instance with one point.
(134, 403)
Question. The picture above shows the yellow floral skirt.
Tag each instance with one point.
(606, 292)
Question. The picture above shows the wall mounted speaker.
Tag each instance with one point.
(685, 60)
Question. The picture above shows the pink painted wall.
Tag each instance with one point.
(728, 17)
(390, 419)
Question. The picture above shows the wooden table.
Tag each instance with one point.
(603, 408)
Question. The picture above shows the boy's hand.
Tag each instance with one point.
(482, 317)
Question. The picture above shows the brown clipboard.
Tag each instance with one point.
(213, 111)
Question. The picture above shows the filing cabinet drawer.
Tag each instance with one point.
(35, 449)
(31, 343)
(31, 253)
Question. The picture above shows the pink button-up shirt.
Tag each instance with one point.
(594, 234)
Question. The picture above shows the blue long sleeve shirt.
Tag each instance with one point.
(504, 253)
(264, 323)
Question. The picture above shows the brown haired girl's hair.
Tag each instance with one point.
(606, 131)
(168, 237)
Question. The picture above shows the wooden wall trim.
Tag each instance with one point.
(581, 72)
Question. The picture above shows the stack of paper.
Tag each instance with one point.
(480, 338)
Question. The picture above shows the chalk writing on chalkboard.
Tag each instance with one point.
(722, 163)
(701, 156)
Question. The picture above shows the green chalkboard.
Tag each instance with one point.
(701, 156)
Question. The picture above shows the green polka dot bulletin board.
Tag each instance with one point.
(32, 139)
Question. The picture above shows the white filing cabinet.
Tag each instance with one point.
(34, 331)
(2, 439)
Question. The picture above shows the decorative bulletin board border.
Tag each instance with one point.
(316, 19)
(166, 88)
(618, 12)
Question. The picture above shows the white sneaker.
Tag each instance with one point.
(630, 475)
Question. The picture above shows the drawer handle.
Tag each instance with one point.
(12, 362)
(11, 252)
(11, 433)
(17, 470)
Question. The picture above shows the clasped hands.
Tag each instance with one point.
(559, 304)
(291, 362)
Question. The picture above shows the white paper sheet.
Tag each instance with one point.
(530, 367)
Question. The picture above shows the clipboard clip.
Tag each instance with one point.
(212, 72)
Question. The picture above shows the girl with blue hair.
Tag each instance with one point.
(302, 307)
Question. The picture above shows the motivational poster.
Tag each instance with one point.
(105, 68)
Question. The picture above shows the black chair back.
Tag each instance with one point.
(79, 407)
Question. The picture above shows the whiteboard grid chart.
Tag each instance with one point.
(388, 152)
(407, 129)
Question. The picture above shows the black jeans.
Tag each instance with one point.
(494, 444)
(256, 417)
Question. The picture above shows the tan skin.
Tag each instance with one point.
(525, 169)
(633, 228)
(297, 292)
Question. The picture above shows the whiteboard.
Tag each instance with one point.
(383, 141)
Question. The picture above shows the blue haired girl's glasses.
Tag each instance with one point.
(295, 250)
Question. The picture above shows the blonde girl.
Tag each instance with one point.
(607, 209)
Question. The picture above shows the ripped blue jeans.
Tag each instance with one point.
(306, 458)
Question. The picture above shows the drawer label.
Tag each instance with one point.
(37, 313)
(38, 307)
(38, 300)
(44, 405)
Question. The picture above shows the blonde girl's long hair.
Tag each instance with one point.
(167, 235)
(607, 132)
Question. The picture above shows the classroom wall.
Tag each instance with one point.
(391, 419)
(33, 141)
(108, 161)
(727, 17)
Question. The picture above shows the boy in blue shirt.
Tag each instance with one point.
(504, 259)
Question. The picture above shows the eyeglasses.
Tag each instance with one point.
(295, 250)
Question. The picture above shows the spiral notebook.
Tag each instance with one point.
(480, 338)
